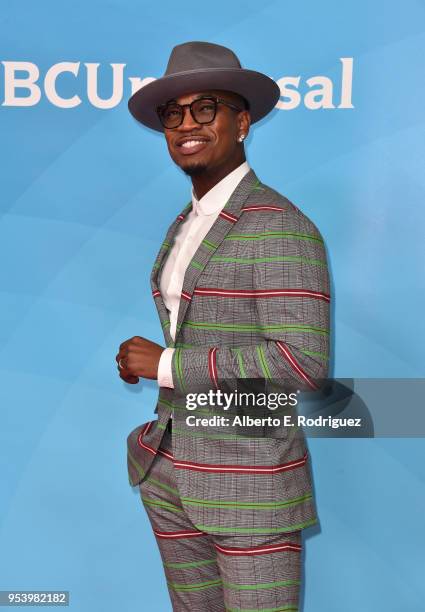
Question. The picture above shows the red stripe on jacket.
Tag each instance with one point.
(262, 293)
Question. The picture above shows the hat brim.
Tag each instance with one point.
(261, 92)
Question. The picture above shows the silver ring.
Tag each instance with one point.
(120, 364)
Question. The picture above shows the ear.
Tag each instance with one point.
(244, 122)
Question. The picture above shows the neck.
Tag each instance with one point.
(202, 183)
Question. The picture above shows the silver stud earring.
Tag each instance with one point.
(241, 137)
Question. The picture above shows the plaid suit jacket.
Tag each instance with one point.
(254, 305)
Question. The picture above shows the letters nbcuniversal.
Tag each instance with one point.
(24, 86)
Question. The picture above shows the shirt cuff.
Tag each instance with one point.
(165, 374)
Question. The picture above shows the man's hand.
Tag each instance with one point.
(139, 357)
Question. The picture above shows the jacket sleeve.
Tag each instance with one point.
(292, 322)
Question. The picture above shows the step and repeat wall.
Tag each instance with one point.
(87, 194)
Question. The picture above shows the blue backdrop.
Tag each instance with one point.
(86, 196)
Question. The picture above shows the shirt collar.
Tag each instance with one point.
(215, 199)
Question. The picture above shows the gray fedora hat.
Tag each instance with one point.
(198, 66)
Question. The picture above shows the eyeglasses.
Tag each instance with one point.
(203, 110)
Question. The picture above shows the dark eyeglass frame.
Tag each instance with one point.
(214, 99)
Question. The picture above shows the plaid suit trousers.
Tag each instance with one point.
(217, 573)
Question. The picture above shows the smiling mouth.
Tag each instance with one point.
(188, 147)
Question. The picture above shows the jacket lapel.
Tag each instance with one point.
(156, 273)
(219, 230)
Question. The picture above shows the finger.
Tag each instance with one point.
(124, 344)
(123, 352)
(122, 364)
(124, 371)
(138, 340)
(129, 378)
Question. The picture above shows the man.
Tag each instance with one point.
(242, 291)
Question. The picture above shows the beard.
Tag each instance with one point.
(194, 169)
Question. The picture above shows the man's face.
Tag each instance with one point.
(212, 146)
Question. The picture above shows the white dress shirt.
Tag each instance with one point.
(187, 240)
